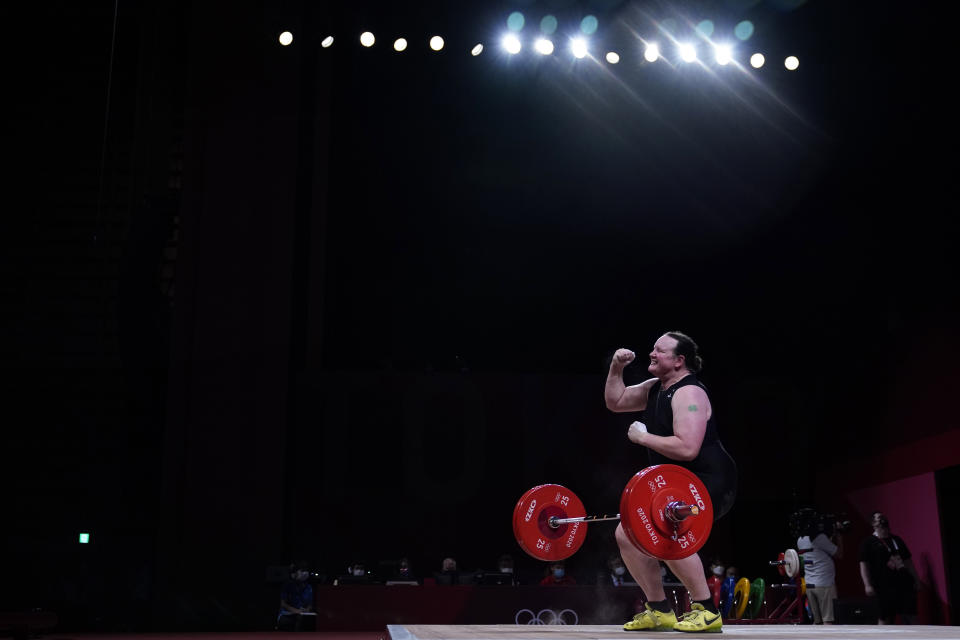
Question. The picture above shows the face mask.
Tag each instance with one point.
(558, 573)
(506, 569)
(718, 571)
(619, 571)
(358, 573)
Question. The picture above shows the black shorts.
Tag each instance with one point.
(717, 470)
(722, 488)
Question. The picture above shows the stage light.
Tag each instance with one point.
(724, 54)
(791, 63)
(477, 50)
(84, 538)
(589, 25)
(743, 30)
(367, 39)
(326, 42)
(613, 57)
(651, 52)
(436, 43)
(548, 25)
(512, 44)
(578, 46)
(400, 44)
(286, 38)
(757, 60)
(543, 46)
(688, 53)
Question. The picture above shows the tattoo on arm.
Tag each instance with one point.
(692, 407)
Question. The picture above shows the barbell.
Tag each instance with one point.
(788, 563)
(665, 510)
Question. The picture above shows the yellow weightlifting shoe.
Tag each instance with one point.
(651, 620)
(698, 620)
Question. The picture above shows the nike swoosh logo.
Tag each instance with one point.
(709, 622)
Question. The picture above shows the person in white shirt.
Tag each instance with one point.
(818, 551)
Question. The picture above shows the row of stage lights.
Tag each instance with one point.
(723, 54)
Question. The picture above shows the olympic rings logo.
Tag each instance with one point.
(547, 616)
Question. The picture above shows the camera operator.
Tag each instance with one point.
(819, 543)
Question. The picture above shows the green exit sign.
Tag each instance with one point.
(84, 538)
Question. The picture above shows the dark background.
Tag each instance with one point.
(267, 303)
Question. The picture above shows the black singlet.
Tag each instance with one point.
(713, 465)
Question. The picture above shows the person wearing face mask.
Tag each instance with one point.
(403, 573)
(502, 575)
(296, 600)
(557, 577)
(679, 427)
(888, 574)
(355, 574)
(505, 567)
(618, 575)
(715, 581)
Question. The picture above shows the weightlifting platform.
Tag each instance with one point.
(614, 632)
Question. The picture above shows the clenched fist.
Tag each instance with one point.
(636, 432)
(622, 358)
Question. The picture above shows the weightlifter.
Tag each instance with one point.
(678, 427)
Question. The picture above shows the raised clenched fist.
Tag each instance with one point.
(623, 357)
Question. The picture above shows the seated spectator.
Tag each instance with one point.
(356, 574)
(402, 573)
(668, 576)
(715, 577)
(617, 572)
(505, 563)
(502, 575)
(296, 601)
(448, 574)
(405, 570)
(558, 576)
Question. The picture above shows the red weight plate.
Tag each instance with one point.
(518, 513)
(643, 519)
(715, 584)
(780, 568)
(531, 522)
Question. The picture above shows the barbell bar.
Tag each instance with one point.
(656, 512)
(676, 511)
